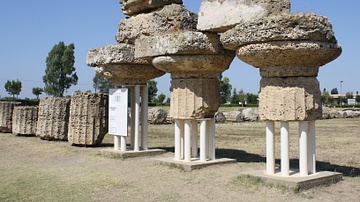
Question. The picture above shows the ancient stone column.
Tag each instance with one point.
(194, 59)
(288, 50)
(88, 121)
(24, 120)
(6, 112)
(53, 118)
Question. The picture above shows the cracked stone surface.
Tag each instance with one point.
(24, 120)
(133, 7)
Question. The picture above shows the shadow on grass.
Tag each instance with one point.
(243, 156)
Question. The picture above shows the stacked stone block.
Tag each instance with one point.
(88, 122)
(6, 112)
(53, 118)
(24, 120)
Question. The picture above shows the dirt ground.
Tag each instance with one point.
(36, 170)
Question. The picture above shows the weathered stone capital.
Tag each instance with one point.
(181, 43)
(289, 53)
(113, 54)
(193, 66)
(296, 27)
(129, 74)
(169, 19)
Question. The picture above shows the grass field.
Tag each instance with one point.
(36, 170)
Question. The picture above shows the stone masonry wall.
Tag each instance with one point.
(6, 111)
(88, 118)
(53, 118)
(24, 120)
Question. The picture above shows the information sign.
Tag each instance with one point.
(118, 111)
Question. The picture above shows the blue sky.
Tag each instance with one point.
(29, 29)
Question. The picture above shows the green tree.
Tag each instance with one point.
(334, 91)
(37, 91)
(13, 87)
(235, 99)
(161, 98)
(225, 89)
(326, 98)
(152, 90)
(251, 98)
(357, 98)
(60, 72)
(242, 96)
(101, 83)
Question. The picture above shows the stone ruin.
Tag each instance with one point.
(6, 112)
(88, 118)
(24, 120)
(194, 59)
(53, 118)
(287, 48)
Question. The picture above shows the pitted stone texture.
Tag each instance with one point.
(132, 7)
(182, 43)
(192, 66)
(169, 19)
(311, 54)
(221, 15)
(88, 118)
(289, 71)
(290, 99)
(127, 74)
(25, 120)
(297, 27)
(113, 54)
(6, 112)
(194, 98)
(118, 64)
(53, 118)
(157, 116)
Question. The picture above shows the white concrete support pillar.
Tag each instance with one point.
(123, 143)
(312, 148)
(203, 140)
(132, 108)
(187, 139)
(144, 117)
(211, 141)
(270, 147)
(285, 159)
(137, 118)
(179, 131)
(116, 142)
(303, 148)
(194, 139)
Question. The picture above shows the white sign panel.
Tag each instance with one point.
(118, 106)
(351, 101)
